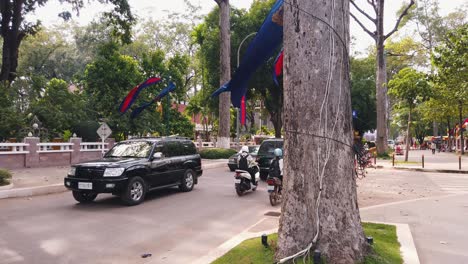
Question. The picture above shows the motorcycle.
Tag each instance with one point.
(243, 181)
(274, 190)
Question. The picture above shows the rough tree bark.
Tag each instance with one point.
(225, 69)
(379, 37)
(318, 160)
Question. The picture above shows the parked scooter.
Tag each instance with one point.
(243, 181)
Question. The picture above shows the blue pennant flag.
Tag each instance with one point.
(171, 87)
(262, 47)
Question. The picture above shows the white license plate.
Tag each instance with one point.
(85, 185)
(271, 188)
(237, 180)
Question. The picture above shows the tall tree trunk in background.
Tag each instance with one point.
(225, 69)
(276, 119)
(319, 199)
(12, 37)
(379, 37)
(408, 135)
(460, 116)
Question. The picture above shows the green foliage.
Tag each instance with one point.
(87, 131)
(180, 125)
(386, 249)
(59, 109)
(11, 120)
(363, 93)
(216, 153)
(409, 87)
(67, 134)
(266, 131)
(5, 177)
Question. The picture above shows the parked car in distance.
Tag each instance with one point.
(266, 154)
(133, 167)
(232, 163)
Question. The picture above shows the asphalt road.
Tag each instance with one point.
(174, 227)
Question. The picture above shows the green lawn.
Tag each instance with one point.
(386, 249)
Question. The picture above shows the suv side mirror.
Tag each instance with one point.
(158, 155)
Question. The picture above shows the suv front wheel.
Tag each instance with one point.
(187, 181)
(135, 192)
(84, 197)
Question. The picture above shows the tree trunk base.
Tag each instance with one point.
(223, 142)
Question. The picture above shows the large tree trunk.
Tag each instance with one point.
(381, 82)
(408, 136)
(320, 201)
(225, 68)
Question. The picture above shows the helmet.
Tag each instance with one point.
(278, 152)
(245, 149)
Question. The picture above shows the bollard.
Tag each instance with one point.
(375, 159)
(393, 160)
(459, 162)
(423, 161)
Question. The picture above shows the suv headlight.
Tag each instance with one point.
(113, 172)
(72, 171)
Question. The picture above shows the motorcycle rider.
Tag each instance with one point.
(247, 163)
(276, 165)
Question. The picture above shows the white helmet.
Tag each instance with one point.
(245, 149)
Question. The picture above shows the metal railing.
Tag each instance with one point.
(93, 146)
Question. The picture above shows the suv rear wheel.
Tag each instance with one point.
(84, 197)
(188, 181)
(135, 192)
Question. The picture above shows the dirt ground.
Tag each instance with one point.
(387, 185)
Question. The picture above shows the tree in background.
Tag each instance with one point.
(409, 87)
(225, 74)
(379, 37)
(14, 27)
(363, 93)
(451, 61)
(319, 207)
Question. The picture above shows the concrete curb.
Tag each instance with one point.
(431, 170)
(405, 238)
(9, 192)
(6, 187)
(32, 191)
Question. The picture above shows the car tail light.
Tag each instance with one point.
(237, 174)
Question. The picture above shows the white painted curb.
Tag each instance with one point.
(6, 187)
(26, 192)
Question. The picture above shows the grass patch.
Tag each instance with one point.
(386, 249)
(5, 177)
(216, 153)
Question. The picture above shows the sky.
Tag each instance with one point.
(158, 9)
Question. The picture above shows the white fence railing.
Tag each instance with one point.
(93, 146)
(13, 148)
(54, 147)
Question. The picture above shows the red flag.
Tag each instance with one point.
(243, 110)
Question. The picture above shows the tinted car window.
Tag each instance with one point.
(189, 148)
(133, 149)
(173, 149)
(267, 148)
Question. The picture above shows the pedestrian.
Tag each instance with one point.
(433, 147)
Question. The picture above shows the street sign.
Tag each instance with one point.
(104, 131)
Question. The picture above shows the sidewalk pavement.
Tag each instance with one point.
(445, 162)
(46, 180)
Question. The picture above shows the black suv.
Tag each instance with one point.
(266, 154)
(133, 167)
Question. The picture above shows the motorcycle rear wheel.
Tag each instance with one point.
(274, 199)
(239, 191)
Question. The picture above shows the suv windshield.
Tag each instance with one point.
(134, 149)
